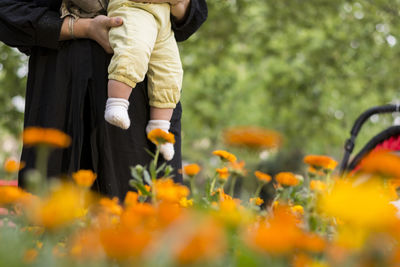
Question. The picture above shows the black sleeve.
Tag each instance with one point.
(197, 14)
(24, 25)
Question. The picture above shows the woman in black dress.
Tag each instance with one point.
(67, 89)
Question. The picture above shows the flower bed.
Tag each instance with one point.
(316, 220)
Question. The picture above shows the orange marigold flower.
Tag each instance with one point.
(314, 171)
(30, 256)
(318, 161)
(159, 137)
(287, 178)
(278, 235)
(11, 194)
(45, 136)
(169, 191)
(256, 200)
(86, 245)
(84, 178)
(252, 137)
(191, 169)
(224, 155)
(312, 243)
(238, 167)
(111, 205)
(11, 165)
(317, 185)
(223, 173)
(382, 162)
(263, 177)
(131, 198)
(205, 241)
(124, 243)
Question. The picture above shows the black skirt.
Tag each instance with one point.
(67, 90)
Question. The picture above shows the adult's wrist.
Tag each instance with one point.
(75, 29)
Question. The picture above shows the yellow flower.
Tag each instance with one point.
(318, 161)
(257, 201)
(84, 178)
(223, 173)
(362, 205)
(287, 179)
(11, 165)
(191, 169)
(263, 177)
(224, 155)
(252, 137)
(317, 185)
(184, 202)
(61, 207)
(159, 137)
(167, 190)
(52, 137)
(297, 209)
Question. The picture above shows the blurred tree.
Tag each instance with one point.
(13, 71)
(304, 68)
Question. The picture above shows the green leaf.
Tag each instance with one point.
(161, 167)
(149, 152)
(136, 175)
(147, 178)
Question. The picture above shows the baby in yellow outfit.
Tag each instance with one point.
(144, 44)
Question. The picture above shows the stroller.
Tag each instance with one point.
(388, 139)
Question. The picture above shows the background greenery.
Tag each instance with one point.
(304, 68)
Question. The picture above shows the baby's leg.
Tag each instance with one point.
(117, 104)
(164, 85)
(132, 43)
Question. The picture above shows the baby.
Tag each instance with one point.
(145, 43)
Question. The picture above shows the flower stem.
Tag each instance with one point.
(154, 177)
(193, 186)
(214, 179)
(257, 193)
(232, 186)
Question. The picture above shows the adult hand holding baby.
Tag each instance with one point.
(93, 28)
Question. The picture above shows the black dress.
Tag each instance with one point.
(67, 90)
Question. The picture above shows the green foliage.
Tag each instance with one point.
(12, 84)
(304, 68)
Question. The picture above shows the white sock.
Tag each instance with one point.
(167, 150)
(117, 112)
